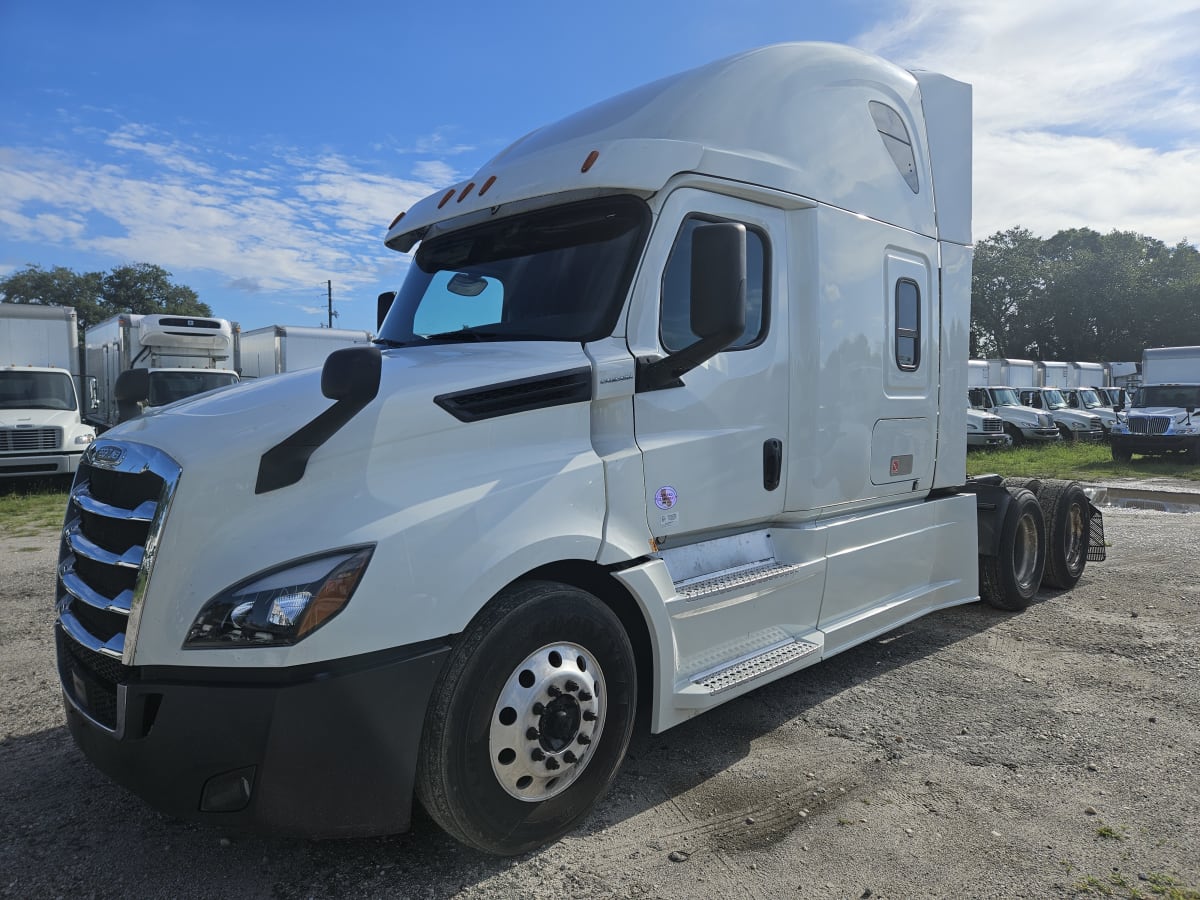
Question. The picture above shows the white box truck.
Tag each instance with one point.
(41, 429)
(1162, 418)
(988, 391)
(289, 348)
(668, 406)
(143, 361)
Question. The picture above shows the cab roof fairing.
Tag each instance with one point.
(791, 117)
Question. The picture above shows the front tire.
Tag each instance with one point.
(1121, 454)
(1010, 579)
(530, 719)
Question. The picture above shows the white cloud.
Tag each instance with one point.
(1087, 112)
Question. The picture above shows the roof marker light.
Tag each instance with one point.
(395, 220)
(487, 184)
(446, 199)
(590, 161)
(470, 186)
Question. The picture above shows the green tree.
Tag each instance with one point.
(59, 286)
(1007, 282)
(147, 289)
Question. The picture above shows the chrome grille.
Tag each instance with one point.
(116, 510)
(30, 439)
(993, 425)
(1149, 424)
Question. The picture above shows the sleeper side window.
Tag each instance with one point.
(908, 325)
(675, 329)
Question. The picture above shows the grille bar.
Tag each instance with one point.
(16, 439)
(113, 648)
(82, 498)
(82, 546)
(81, 590)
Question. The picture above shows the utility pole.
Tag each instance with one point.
(329, 287)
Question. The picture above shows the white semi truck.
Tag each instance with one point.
(1163, 418)
(41, 428)
(289, 348)
(143, 361)
(669, 406)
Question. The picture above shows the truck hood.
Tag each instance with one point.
(1170, 411)
(234, 426)
(39, 418)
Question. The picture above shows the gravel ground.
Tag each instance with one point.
(973, 754)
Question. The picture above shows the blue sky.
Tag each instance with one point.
(258, 149)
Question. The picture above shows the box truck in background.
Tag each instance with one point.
(142, 361)
(41, 427)
(1162, 418)
(989, 391)
(661, 413)
(288, 348)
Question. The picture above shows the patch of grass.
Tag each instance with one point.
(1155, 884)
(1110, 832)
(29, 506)
(1076, 462)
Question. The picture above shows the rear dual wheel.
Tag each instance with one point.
(1010, 579)
(530, 719)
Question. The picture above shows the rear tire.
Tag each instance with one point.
(1121, 454)
(1010, 580)
(530, 719)
(1068, 517)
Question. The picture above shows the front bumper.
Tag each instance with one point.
(1042, 434)
(58, 462)
(325, 750)
(1155, 443)
(989, 439)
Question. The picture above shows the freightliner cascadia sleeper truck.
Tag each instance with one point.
(669, 406)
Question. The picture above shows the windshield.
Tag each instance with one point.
(167, 387)
(1089, 400)
(1053, 399)
(1005, 397)
(557, 274)
(36, 390)
(1182, 396)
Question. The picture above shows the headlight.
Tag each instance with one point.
(86, 438)
(1081, 426)
(282, 606)
(971, 427)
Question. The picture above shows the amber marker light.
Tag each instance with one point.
(446, 199)
(463, 196)
(486, 185)
(395, 220)
(591, 160)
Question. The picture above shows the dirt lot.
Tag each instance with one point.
(972, 754)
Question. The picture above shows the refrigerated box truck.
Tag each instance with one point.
(41, 428)
(669, 406)
(143, 361)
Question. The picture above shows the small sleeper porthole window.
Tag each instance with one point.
(908, 325)
(895, 138)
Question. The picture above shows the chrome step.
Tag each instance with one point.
(716, 682)
(740, 578)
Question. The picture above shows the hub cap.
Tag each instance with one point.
(549, 716)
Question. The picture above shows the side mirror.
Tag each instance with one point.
(131, 390)
(352, 374)
(717, 304)
(382, 305)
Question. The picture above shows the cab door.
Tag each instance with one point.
(713, 447)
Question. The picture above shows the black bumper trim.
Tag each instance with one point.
(333, 746)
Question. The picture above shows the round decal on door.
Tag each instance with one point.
(665, 497)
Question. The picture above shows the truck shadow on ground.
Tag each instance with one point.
(60, 815)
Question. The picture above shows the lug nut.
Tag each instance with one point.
(572, 686)
(538, 709)
(585, 695)
(569, 757)
(589, 716)
(551, 763)
(532, 733)
(554, 690)
(584, 739)
(537, 755)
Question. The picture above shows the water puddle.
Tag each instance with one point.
(1132, 498)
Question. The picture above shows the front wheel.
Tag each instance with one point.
(1121, 454)
(530, 719)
